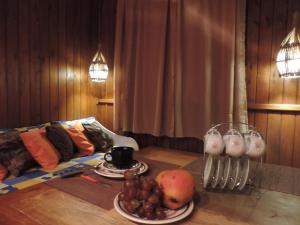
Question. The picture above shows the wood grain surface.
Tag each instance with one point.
(43, 205)
(46, 47)
(45, 51)
(268, 23)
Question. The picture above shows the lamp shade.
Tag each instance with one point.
(288, 57)
(98, 69)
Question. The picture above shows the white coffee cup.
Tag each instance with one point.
(234, 143)
(255, 145)
(213, 143)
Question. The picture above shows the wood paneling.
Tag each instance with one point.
(268, 22)
(54, 59)
(24, 64)
(274, 107)
(12, 60)
(45, 50)
(105, 111)
(3, 88)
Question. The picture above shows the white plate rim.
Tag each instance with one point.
(236, 170)
(188, 211)
(245, 175)
(208, 169)
(120, 170)
(118, 175)
(226, 176)
(218, 173)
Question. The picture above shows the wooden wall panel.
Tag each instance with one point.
(35, 76)
(76, 59)
(268, 22)
(3, 88)
(44, 60)
(105, 111)
(94, 87)
(53, 59)
(83, 63)
(62, 60)
(45, 51)
(252, 51)
(24, 68)
(12, 63)
(70, 38)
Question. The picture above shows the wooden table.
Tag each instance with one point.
(43, 205)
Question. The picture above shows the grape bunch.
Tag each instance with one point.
(143, 196)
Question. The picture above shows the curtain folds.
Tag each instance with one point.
(179, 66)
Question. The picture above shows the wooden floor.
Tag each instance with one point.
(43, 205)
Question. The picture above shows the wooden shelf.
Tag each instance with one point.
(274, 107)
(106, 101)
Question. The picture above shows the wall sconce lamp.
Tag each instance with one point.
(98, 69)
(288, 57)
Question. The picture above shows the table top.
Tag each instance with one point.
(44, 205)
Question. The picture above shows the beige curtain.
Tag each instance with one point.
(179, 66)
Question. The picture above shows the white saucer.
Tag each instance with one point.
(208, 171)
(218, 173)
(120, 174)
(226, 172)
(244, 173)
(171, 215)
(234, 174)
(110, 167)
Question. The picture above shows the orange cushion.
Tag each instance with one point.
(81, 141)
(3, 172)
(40, 148)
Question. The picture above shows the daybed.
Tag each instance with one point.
(20, 166)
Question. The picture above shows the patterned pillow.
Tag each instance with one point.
(13, 154)
(20, 163)
(98, 137)
(32, 128)
(57, 135)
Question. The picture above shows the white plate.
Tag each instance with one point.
(110, 167)
(117, 174)
(234, 174)
(172, 215)
(218, 173)
(244, 173)
(226, 172)
(208, 171)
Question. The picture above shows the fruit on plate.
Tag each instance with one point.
(178, 187)
(142, 196)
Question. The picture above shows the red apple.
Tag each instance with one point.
(160, 175)
(178, 187)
